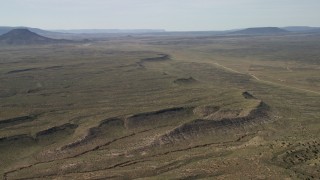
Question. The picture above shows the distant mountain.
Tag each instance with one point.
(260, 31)
(80, 34)
(5, 29)
(106, 31)
(94, 34)
(41, 32)
(302, 29)
(25, 37)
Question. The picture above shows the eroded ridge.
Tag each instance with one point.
(213, 121)
(166, 126)
(15, 121)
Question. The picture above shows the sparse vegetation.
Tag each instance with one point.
(159, 107)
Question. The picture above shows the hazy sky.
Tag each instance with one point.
(158, 14)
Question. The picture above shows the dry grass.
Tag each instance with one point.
(97, 110)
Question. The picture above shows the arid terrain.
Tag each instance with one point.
(162, 107)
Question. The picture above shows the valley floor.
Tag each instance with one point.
(162, 108)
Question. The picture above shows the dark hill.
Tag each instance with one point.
(261, 31)
(25, 37)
